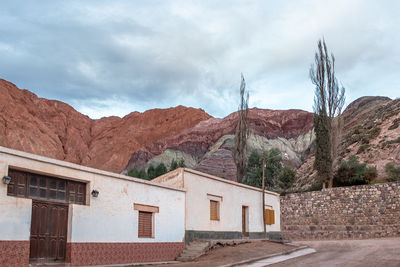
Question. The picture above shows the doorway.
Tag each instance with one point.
(245, 221)
(48, 232)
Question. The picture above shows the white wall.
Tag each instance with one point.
(111, 217)
(234, 197)
(108, 218)
(15, 213)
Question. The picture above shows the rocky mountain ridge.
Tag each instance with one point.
(54, 129)
(371, 132)
(207, 146)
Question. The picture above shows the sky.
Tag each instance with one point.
(113, 57)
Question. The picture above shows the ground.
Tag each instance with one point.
(232, 254)
(371, 252)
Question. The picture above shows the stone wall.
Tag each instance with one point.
(356, 212)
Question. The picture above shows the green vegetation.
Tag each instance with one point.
(352, 172)
(177, 164)
(138, 174)
(160, 170)
(287, 177)
(316, 186)
(277, 176)
(362, 148)
(242, 133)
(329, 99)
(153, 172)
(393, 172)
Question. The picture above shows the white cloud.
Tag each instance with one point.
(100, 56)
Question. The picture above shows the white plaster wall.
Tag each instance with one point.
(108, 218)
(15, 213)
(111, 217)
(234, 197)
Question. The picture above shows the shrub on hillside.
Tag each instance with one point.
(160, 169)
(138, 173)
(316, 186)
(287, 177)
(352, 172)
(177, 164)
(393, 172)
(273, 168)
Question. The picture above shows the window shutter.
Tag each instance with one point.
(18, 184)
(145, 228)
(214, 210)
(272, 217)
(36, 186)
(269, 216)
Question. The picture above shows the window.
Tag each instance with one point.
(37, 186)
(145, 220)
(269, 216)
(145, 224)
(214, 210)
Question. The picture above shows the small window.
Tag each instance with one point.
(269, 216)
(145, 228)
(214, 210)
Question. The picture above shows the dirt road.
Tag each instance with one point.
(371, 252)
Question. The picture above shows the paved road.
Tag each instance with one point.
(370, 252)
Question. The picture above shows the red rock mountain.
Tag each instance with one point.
(54, 129)
(207, 146)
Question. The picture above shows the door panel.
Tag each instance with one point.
(244, 221)
(48, 231)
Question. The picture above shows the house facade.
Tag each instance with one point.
(56, 211)
(49, 212)
(217, 208)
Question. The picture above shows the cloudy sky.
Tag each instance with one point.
(113, 57)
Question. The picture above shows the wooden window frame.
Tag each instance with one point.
(216, 216)
(142, 208)
(23, 179)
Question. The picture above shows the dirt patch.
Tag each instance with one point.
(231, 254)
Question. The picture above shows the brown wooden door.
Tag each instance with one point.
(48, 231)
(244, 221)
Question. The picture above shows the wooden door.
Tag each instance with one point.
(244, 221)
(48, 232)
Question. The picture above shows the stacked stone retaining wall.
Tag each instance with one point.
(356, 212)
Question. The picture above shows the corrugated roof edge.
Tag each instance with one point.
(78, 167)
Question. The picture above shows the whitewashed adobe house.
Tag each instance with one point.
(56, 211)
(49, 212)
(217, 208)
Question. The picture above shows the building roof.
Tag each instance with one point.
(78, 167)
(174, 173)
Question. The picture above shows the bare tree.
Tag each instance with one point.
(242, 132)
(328, 103)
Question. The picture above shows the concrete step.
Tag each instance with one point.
(194, 250)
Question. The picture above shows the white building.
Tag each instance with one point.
(56, 211)
(217, 208)
(48, 213)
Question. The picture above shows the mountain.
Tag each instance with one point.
(371, 132)
(207, 146)
(54, 129)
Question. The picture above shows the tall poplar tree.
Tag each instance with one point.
(328, 103)
(242, 133)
